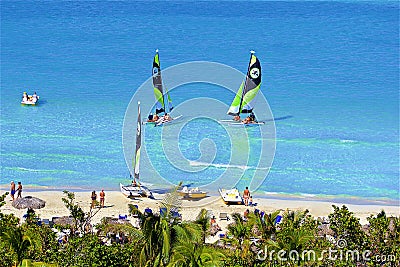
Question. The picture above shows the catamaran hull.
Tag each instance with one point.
(231, 196)
(131, 191)
(169, 122)
(239, 124)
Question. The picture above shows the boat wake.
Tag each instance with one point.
(224, 166)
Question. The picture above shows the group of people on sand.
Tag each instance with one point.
(94, 198)
(249, 119)
(26, 97)
(155, 118)
(18, 191)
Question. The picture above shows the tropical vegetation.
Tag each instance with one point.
(280, 238)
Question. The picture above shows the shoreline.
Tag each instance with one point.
(345, 199)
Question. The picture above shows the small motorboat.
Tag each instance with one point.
(194, 193)
(231, 196)
(29, 99)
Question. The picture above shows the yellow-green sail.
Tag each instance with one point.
(157, 84)
(248, 89)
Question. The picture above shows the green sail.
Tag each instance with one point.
(242, 103)
(234, 108)
(157, 84)
(136, 159)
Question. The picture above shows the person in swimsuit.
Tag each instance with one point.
(19, 189)
(102, 196)
(93, 197)
(246, 196)
(12, 190)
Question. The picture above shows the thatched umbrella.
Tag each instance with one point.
(64, 221)
(28, 203)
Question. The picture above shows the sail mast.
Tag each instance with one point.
(136, 159)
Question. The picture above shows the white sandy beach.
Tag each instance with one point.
(116, 204)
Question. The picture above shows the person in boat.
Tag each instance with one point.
(24, 96)
(236, 118)
(134, 182)
(34, 97)
(155, 117)
(152, 118)
(167, 117)
(164, 118)
(250, 119)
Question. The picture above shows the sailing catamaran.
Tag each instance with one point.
(242, 103)
(136, 189)
(161, 114)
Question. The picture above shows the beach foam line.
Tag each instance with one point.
(220, 165)
(23, 169)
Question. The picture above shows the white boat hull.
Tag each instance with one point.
(161, 123)
(231, 196)
(246, 124)
(30, 102)
(135, 191)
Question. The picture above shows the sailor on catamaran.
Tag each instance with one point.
(250, 119)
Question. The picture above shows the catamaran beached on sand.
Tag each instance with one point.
(136, 189)
(231, 196)
(242, 103)
(163, 109)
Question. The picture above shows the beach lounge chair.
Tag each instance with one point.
(148, 211)
(223, 216)
(47, 222)
(278, 219)
(163, 211)
(176, 214)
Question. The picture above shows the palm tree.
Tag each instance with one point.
(240, 229)
(17, 242)
(203, 219)
(159, 231)
(265, 226)
(195, 255)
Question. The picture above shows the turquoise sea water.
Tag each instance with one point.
(330, 75)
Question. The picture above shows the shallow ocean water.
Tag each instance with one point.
(330, 75)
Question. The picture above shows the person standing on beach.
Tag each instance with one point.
(12, 190)
(246, 196)
(19, 189)
(94, 198)
(102, 196)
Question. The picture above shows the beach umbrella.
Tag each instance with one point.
(28, 202)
